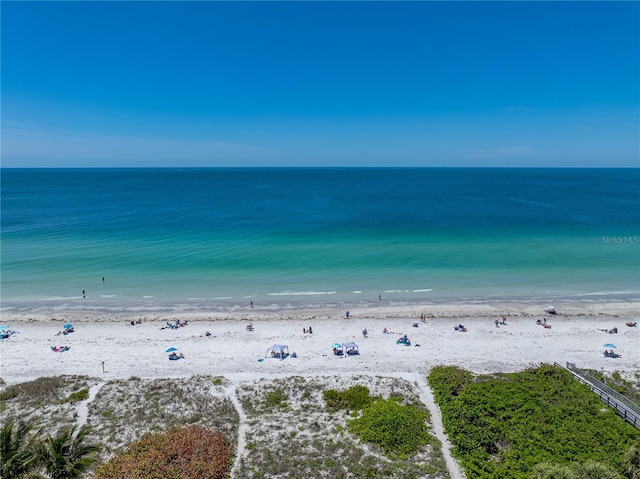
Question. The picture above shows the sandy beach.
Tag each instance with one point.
(110, 347)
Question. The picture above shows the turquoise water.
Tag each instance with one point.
(219, 238)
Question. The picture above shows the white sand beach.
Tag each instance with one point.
(110, 347)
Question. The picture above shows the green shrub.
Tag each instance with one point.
(78, 396)
(448, 381)
(275, 398)
(355, 398)
(399, 430)
(8, 394)
(502, 426)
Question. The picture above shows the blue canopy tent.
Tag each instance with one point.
(350, 349)
(280, 351)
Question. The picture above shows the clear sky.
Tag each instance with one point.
(320, 83)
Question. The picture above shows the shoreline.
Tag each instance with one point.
(138, 350)
(17, 310)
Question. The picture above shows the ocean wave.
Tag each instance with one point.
(301, 293)
(607, 293)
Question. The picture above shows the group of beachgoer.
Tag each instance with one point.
(66, 331)
(175, 356)
(175, 325)
(60, 349)
(611, 354)
(499, 323)
(543, 322)
(307, 330)
(7, 333)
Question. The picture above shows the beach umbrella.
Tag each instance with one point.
(336, 345)
(68, 326)
(171, 350)
(2, 328)
(609, 345)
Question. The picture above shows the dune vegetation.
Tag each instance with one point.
(520, 425)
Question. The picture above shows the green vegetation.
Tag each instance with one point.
(355, 398)
(399, 430)
(588, 470)
(307, 433)
(78, 396)
(67, 455)
(506, 426)
(275, 398)
(46, 403)
(617, 382)
(631, 463)
(15, 454)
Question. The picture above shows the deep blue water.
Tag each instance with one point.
(219, 238)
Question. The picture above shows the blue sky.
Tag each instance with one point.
(320, 83)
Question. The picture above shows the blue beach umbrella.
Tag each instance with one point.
(336, 345)
(2, 328)
(68, 326)
(609, 345)
(171, 350)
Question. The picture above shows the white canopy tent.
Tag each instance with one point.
(350, 349)
(280, 351)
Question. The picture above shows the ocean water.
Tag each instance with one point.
(216, 239)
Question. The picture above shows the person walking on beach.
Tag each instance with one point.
(251, 304)
(380, 297)
(83, 294)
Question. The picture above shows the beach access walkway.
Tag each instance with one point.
(626, 408)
